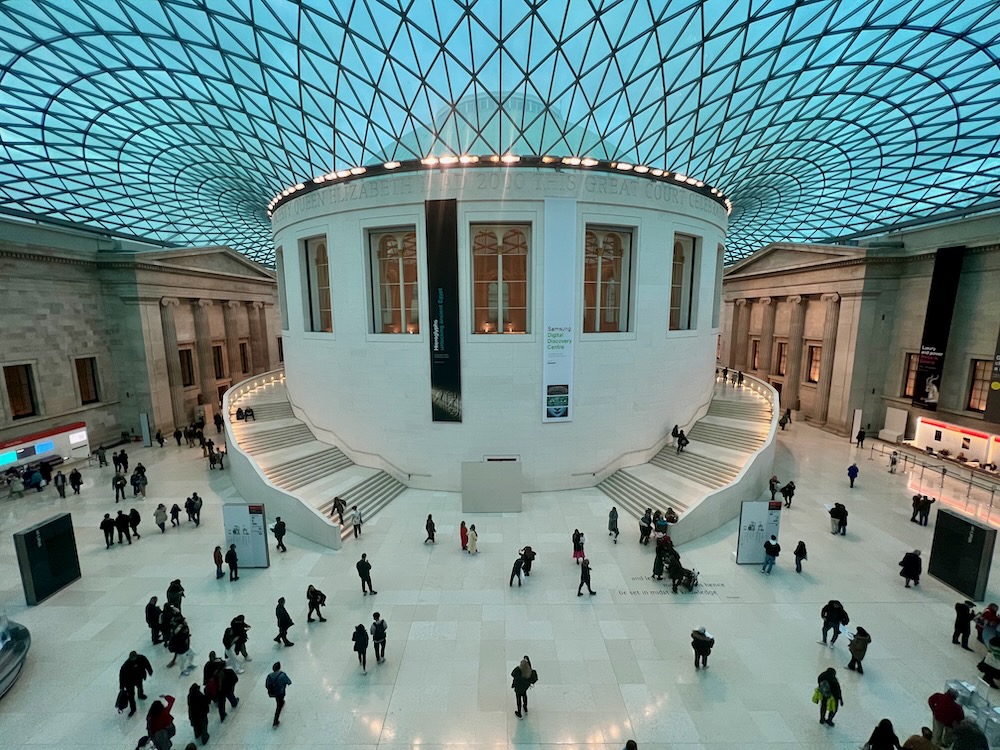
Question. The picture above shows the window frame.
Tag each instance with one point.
(781, 358)
(279, 272)
(814, 361)
(93, 376)
(911, 362)
(979, 385)
(219, 361)
(502, 282)
(754, 354)
(377, 286)
(281, 349)
(245, 357)
(317, 290)
(189, 376)
(689, 275)
(31, 386)
(626, 281)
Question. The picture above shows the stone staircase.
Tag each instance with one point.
(292, 459)
(736, 425)
(371, 496)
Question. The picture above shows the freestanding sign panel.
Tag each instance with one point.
(46, 555)
(758, 521)
(961, 553)
(559, 308)
(246, 527)
(937, 325)
(442, 288)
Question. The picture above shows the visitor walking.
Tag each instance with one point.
(682, 442)
(429, 526)
(893, 461)
(360, 638)
(160, 723)
(883, 737)
(276, 683)
(911, 567)
(516, 571)
(365, 573)
(528, 557)
(833, 615)
(788, 492)
(771, 551)
(702, 643)
(772, 485)
(964, 615)
(852, 473)
(122, 527)
(356, 520)
(463, 536)
(800, 555)
(473, 540)
(830, 698)
(134, 519)
(198, 707)
(378, 629)
(160, 517)
(860, 438)
(108, 527)
(646, 526)
(59, 480)
(118, 484)
(131, 675)
(338, 507)
(578, 541)
(284, 621)
(153, 614)
(858, 647)
(76, 481)
(585, 578)
(613, 524)
(522, 678)
(316, 599)
(279, 534)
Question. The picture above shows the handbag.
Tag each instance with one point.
(817, 696)
(121, 702)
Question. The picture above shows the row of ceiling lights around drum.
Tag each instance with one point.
(508, 160)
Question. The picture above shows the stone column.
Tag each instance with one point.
(830, 321)
(261, 359)
(270, 352)
(230, 316)
(175, 379)
(793, 370)
(741, 330)
(764, 354)
(206, 366)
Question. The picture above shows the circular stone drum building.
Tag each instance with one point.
(559, 312)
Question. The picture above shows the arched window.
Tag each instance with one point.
(606, 280)
(500, 278)
(395, 295)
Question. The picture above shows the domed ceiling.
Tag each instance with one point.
(180, 120)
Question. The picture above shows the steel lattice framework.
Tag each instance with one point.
(179, 120)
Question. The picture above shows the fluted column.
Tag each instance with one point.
(230, 317)
(175, 379)
(270, 353)
(793, 369)
(742, 334)
(206, 367)
(766, 336)
(830, 321)
(260, 357)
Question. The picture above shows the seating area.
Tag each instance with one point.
(294, 460)
(735, 426)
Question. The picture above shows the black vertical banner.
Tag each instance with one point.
(441, 219)
(993, 396)
(937, 325)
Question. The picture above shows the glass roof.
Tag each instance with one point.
(179, 120)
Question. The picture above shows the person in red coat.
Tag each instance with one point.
(463, 534)
(160, 724)
(946, 713)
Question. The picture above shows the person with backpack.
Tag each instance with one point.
(360, 638)
(834, 615)
(378, 628)
(522, 678)
(702, 643)
(828, 696)
(276, 684)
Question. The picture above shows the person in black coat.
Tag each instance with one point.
(584, 578)
(431, 528)
(702, 643)
(284, 623)
(153, 614)
(233, 560)
(131, 675)
(522, 677)
(360, 638)
(121, 524)
(911, 567)
(316, 599)
(646, 526)
(279, 534)
(830, 697)
(108, 527)
(964, 615)
(133, 521)
(198, 707)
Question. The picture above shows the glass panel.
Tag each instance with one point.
(396, 286)
(500, 279)
(606, 280)
(20, 391)
(980, 388)
(86, 378)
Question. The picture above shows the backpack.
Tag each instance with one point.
(378, 630)
(844, 619)
(270, 684)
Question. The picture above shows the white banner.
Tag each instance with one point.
(758, 521)
(559, 308)
(246, 527)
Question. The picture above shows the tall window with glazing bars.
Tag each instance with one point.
(395, 287)
(500, 255)
(606, 279)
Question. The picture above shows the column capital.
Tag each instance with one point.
(255, 305)
(764, 301)
(169, 302)
(831, 297)
(794, 299)
(234, 304)
(741, 302)
(205, 302)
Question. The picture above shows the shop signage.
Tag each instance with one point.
(937, 324)
(559, 309)
(246, 527)
(442, 287)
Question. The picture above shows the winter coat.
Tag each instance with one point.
(701, 643)
(859, 645)
(360, 639)
(911, 566)
(945, 709)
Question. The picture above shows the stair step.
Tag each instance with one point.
(269, 440)
(697, 468)
(307, 469)
(371, 496)
(635, 495)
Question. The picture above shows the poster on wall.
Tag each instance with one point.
(559, 309)
(246, 527)
(993, 394)
(442, 303)
(758, 521)
(937, 325)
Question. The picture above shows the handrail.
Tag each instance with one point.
(944, 467)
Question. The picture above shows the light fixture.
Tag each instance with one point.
(588, 162)
(623, 166)
(657, 173)
(429, 161)
(468, 159)
(679, 177)
(573, 161)
(320, 179)
(391, 165)
(510, 159)
(331, 175)
(642, 169)
(343, 173)
(548, 159)
(447, 161)
(358, 170)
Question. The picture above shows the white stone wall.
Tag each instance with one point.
(372, 391)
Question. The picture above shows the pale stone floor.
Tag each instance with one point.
(614, 666)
